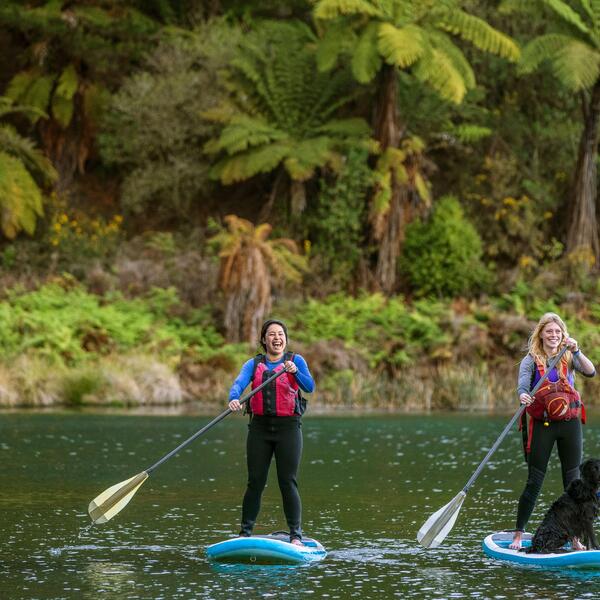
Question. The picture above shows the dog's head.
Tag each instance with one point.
(590, 472)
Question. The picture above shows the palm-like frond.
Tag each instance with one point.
(366, 59)
(475, 30)
(443, 43)
(568, 15)
(438, 70)
(240, 167)
(335, 41)
(282, 108)
(577, 66)
(331, 9)
(575, 63)
(20, 197)
(401, 47)
(243, 132)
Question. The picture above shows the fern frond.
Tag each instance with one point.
(577, 66)
(345, 128)
(245, 132)
(25, 151)
(336, 40)
(541, 48)
(62, 99)
(332, 9)
(567, 14)
(438, 71)
(252, 162)
(445, 44)
(401, 47)
(20, 198)
(366, 59)
(306, 156)
(475, 30)
(20, 83)
(469, 133)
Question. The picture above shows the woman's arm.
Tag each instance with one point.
(582, 364)
(526, 369)
(303, 377)
(242, 380)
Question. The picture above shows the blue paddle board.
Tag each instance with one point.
(496, 546)
(266, 549)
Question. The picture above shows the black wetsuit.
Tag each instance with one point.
(566, 434)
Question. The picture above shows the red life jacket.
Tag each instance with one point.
(556, 401)
(278, 399)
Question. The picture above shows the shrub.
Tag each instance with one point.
(442, 256)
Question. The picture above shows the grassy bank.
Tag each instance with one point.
(66, 346)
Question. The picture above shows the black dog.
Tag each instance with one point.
(572, 514)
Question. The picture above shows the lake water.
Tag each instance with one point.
(367, 484)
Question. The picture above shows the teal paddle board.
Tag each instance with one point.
(266, 549)
(496, 546)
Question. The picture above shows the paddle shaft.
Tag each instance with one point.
(216, 420)
(512, 422)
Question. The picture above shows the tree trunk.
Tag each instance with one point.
(388, 133)
(583, 225)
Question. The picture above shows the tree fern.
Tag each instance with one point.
(283, 108)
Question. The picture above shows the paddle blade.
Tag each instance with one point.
(439, 524)
(114, 499)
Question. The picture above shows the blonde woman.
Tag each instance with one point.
(556, 412)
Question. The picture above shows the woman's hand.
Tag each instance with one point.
(290, 367)
(235, 405)
(572, 344)
(525, 399)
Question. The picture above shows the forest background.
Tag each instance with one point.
(408, 184)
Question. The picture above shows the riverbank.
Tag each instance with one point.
(64, 345)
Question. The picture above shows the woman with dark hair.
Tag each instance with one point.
(275, 427)
(555, 411)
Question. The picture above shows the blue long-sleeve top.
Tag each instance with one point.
(303, 377)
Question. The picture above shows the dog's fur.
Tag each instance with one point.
(572, 514)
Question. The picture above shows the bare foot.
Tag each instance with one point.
(516, 542)
(296, 542)
(577, 545)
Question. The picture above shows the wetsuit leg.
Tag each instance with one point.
(288, 453)
(542, 440)
(570, 449)
(259, 452)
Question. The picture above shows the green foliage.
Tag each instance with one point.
(413, 36)
(569, 45)
(385, 331)
(62, 323)
(154, 131)
(21, 164)
(283, 109)
(443, 256)
(337, 221)
(20, 197)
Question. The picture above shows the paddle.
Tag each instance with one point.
(439, 524)
(114, 499)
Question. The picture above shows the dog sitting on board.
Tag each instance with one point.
(572, 514)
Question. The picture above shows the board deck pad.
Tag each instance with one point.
(496, 546)
(274, 548)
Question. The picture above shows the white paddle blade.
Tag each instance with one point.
(438, 526)
(114, 499)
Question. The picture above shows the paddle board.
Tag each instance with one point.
(496, 546)
(266, 549)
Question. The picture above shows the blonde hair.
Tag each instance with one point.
(535, 345)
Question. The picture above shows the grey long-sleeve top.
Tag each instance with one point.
(526, 381)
